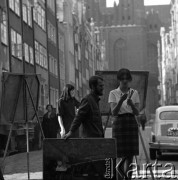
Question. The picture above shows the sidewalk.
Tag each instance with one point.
(15, 167)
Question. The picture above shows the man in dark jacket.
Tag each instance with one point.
(89, 113)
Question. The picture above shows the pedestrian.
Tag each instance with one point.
(89, 113)
(50, 123)
(67, 107)
(124, 102)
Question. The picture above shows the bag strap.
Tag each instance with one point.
(131, 93)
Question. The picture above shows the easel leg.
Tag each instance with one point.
(107, 120)
(26, 120)
(28, 149)
(1, 176)
(13, 119)
(146, 154)
(34, 108)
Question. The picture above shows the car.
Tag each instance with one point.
(164, 137)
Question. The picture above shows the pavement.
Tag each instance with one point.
(15, 167)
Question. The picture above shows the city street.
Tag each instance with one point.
(16, 166)
(71, 63)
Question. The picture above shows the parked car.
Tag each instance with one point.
(165, 131)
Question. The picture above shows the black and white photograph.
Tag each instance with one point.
(88, 89)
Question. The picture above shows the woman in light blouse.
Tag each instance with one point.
(124, 102)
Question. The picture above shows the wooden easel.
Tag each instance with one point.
(26, 89)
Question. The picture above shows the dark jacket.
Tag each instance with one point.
(50, 125)
(90, 117)
(66, 109)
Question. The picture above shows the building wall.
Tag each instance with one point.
(53, 56)
(61, 38)
(123, 44)
(69, 47)
(40, 36)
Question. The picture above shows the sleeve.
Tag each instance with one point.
(83, 112)
(112, 98)
(60, 108)
(137, 98)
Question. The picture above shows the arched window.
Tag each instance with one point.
(119, 53)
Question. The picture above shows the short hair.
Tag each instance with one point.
(123, 72)
(49, 105)
(93, 81)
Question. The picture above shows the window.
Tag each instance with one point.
(43, 19)
(17, 7)
(169, 115)
(54, 96)
(51, 32)
(29, 14)
(25, 13)
(16, 44)
(37, 52)
(19, 46)
(26, 52)
(41, 55)
(4, 28)
(31, 55)
(11, 4)
(51, 5)
(53, 65)
(39, 16)
(13, 41)
(35, 15)
(45, 58)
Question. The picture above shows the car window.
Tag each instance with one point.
(169, 115)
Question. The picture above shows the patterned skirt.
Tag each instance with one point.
(125, 131)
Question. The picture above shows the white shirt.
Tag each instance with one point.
(115, 96)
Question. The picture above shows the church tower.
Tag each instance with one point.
(130, 12)
(139, 12)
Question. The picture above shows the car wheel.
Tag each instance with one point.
(152, 154)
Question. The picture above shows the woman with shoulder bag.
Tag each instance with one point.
(124, 102)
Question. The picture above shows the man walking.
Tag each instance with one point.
(89, 113)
